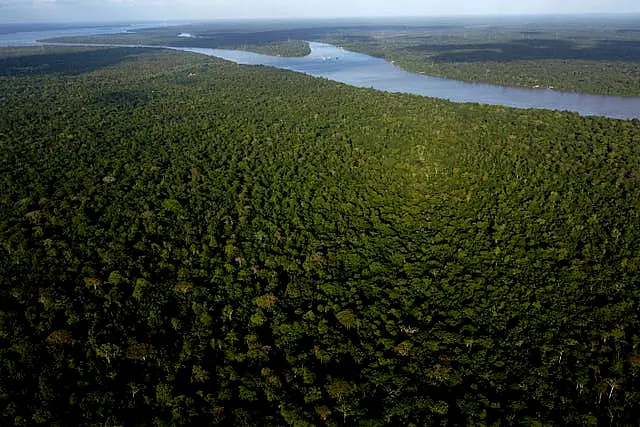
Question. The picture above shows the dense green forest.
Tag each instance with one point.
(187, 241)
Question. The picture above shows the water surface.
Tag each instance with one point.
(362, 70)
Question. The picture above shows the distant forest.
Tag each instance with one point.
(596, 55)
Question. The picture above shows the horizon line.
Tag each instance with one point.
(311, 18)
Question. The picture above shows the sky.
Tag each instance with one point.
(132, 10)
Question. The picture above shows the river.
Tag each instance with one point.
(362, 70)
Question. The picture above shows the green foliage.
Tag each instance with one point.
(186, 241)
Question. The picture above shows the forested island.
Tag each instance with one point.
(187, 241)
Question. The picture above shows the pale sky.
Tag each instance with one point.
(132, 10)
